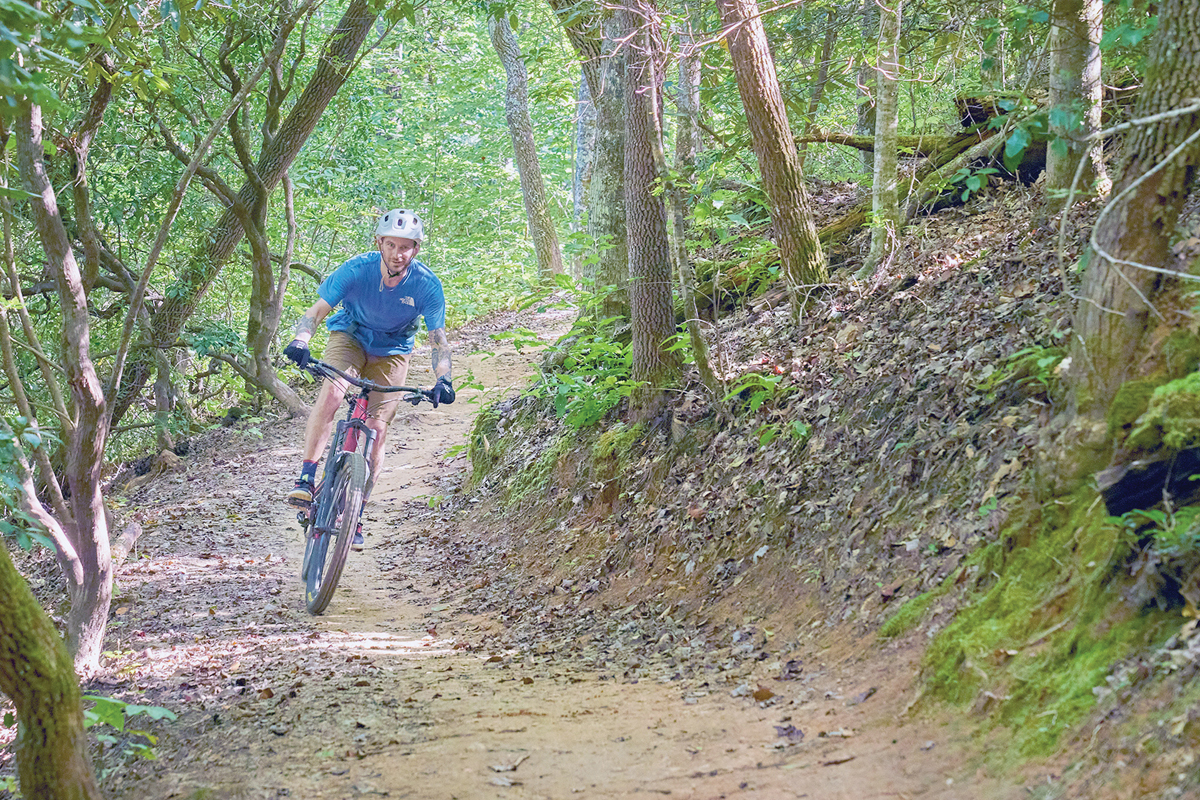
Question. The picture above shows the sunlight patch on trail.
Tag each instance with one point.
(375, 643)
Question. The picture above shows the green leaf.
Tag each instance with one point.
(1018, 140)
(170, 14)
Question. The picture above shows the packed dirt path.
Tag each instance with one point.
(391, 694)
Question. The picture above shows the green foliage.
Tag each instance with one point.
(210, 336)
(1030, 129)
(797, 430)
(594, 368)
(757, 388)
(595, 379)
(1030, 371)
(17, 438)
(520, 338)
(1172, 534)
(108, 720)
(971, 180)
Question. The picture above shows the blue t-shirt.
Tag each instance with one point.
(383, 320)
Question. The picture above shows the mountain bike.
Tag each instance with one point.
(331, 519)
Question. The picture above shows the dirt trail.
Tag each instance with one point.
(380, 697)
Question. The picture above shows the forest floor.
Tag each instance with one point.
(393, 693)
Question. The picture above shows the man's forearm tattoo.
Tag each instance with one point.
(305, 325)
(441, 353)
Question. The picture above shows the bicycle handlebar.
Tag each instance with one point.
(322, 370)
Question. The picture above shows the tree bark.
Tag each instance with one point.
(864, 125)
(653, 311)
(36, 673)
(885, 206)
(1076, 91)
(90, 579)
(803, 263)
(687, 134)
(520, 126)
(218, 244)
(585, 144)
(520, 130)
(818, 89)
(1122, 317)
(594, 39)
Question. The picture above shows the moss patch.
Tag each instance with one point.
(1172, 416)
(1048, 626)
(907, 616)
(1130, 403)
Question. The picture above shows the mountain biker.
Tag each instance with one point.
(382, 294)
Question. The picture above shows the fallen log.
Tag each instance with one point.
(923, 146)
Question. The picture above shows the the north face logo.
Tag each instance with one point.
(408, 301)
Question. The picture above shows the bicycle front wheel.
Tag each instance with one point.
(329, 549)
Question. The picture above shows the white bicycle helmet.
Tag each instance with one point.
(401, 222)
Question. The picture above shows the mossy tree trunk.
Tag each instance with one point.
(1128, 306)
(36, 673)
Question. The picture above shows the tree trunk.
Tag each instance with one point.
(266, 310)
(653, 311)
(803, 263)
(162, 402)
(992, 66)
(218, 243)
(520, 129)
(1126, 312)
(90, 584)
(594, 39)
(885, 206)
(1075, 94)
(37, 675)
(818, 89)
(585, 144)
(687, 134)
(865, 123)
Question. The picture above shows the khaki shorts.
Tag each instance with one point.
(344, 352)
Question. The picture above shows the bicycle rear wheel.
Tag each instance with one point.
(327, 555)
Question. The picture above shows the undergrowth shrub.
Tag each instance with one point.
(591, 369)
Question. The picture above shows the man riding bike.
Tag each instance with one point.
(382, 295)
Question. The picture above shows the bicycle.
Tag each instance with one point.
(331, 519)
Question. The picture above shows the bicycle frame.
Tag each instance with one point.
(346, 438)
